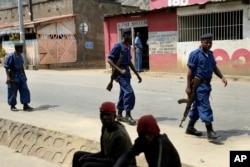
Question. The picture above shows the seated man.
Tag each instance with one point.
(158, 149)
(114, 142)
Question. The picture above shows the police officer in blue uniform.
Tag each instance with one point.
(16, 79)
(201, 65)
(138, 51)
(127, 97)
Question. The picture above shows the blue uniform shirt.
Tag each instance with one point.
(13, 61)
(202, 64)
(118, 49)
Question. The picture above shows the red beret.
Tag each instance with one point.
(147, 123)
(108, 107)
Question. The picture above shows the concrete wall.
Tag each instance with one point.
(40, 10)
(163, 47)
(52, 8)
(143, 4)
(92, 12)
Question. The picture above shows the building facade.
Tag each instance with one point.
(52, 31)
(174, 31)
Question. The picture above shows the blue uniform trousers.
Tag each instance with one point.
(20, 85)
(201, 107)
(138, 59)
(126, 97)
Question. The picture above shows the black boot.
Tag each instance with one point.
(26, 107)
(191, 130)
(13, 108)
(210, 132)
(129, 118)
(120, 117)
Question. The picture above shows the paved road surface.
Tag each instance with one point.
(68, 101)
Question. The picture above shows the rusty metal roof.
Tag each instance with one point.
(7, 28)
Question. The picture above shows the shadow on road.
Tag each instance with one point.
(45, 107)
(225, 134)
(165, 119)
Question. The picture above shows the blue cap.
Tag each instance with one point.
(207, 36)
(126, 31)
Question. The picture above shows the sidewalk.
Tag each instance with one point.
(12, 158)
(194, 151)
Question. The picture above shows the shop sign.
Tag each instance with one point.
(162, 42)
(138, 23)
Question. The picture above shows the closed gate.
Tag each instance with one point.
(56, 43)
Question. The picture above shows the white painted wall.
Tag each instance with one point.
(230, 46)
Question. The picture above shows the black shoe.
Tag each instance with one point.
(13, 108)
(210, 132)
(193, 131)
(212, 135)
(130, 120)
(27, 108)
(120, 118)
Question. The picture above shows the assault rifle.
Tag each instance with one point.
(11, 81)
(194, 84)
(114, 73)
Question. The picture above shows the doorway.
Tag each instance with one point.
(145, 52)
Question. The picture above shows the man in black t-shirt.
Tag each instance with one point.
(114, 142)
(158, 149)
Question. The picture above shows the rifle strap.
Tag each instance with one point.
(160, 153)
(121, 52)
(121, 55)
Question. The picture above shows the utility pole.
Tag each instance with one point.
(83, 29)
(22, 33)
(31, 10)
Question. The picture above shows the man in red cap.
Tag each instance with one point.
(158, 149)
(114, 142)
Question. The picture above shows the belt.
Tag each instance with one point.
(18, 70)
(203, 81)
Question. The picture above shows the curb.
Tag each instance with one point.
(49, 145)
(52, 146)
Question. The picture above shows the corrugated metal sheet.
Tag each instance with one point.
(14, 26)
(9, 31)
(65, 27)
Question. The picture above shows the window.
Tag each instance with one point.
(223, 26)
